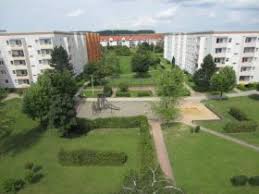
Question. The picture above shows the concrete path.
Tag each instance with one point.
(161, 150)
(11, 96)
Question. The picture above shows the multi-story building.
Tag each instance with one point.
(93, 46)
(239, 50)
(131, 40)
(24, 56)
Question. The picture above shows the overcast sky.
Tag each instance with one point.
(159, 15)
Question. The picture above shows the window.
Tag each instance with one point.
(230, 40)
(249, 49)
(17, 53)
(39, 61)
(38, 52)
(220, 50)
(221, 40)
(7, 42)
(250, 39)
(219, 60)
(6, 81)
(3, 72)
(11, 62)
(247, 59)
(1, 62)
(14, 72)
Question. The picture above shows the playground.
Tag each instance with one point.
(107, 107)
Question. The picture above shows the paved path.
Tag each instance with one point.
(161, 150)
(11, 96)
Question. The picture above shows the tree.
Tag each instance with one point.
(173, 61)
(3, 93)
(111, 64)
(224, 80)
(140, 63)
(60, 60)
(169, 85)
(203, 75)
(5, 122)
(51, 100)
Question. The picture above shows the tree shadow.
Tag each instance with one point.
(17, 143)
(254, 97)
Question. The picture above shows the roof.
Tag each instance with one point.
(213, 32)
(38, 33)
(133, 37)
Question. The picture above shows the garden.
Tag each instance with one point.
(74, 164)
(203, 163)
(239, 117)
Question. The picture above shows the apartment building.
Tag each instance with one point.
(131, 40)
(239, 50)
(24, 56)
(93, 47)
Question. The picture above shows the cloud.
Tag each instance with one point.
(164, 16)
(75, 13)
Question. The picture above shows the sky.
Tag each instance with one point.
(159, 15)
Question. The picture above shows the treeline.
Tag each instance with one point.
(119, 32)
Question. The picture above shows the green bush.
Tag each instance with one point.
(122, 94)
(3, 93)
(254, 181)
(13, 185)
(238, 114)
(257, 87)
(245, 87)
(107, 91)
(28, 165)
(144, 93)
(239, 180)
(124, 87)
(83, 157)
(197, 129)
(36, 168)
(243, 126)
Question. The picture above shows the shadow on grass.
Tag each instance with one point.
(17, 143)
(254, 97)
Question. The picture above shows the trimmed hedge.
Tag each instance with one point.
(83, 157)
(122, 94)
(243, 126)
(107, 91)
(144, 93)
(254, 181)
(239, 180)
(238, 114)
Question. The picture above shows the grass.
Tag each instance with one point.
(137, 93)
(28, 142)
(90, 94)
(125, 64)
(248, 104)
(203, 164)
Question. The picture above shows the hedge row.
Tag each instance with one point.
(146, 143)
(83, 157)
(242, 126)
(122, 94)
(238, 114)
(242, 180)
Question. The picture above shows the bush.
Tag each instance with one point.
(32, 177)
(254, 181)
(107, 91)
(239, 180)
(91, 157)
(123, 87)
(36, 168)
(197, 129)
(238, 114)
(257, 87)
(122, 94)
(13, 185)
(28, 165)
(245, 87)
(3, 93)
(144, 93)
(243, 126)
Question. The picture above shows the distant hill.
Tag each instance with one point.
(118, 32)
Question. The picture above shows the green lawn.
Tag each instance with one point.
(247, 104)
(90, 94)
(203, 164)
(28, 143)
(125, 64)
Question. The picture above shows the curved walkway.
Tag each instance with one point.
(161, 150)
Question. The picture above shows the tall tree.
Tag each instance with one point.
(203, 75)
(224, 80)
(60, 60)
(51, 100)
(140, 63)
(169, 85)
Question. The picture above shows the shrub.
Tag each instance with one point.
(257, 87)
(13, 185)
(32, 177)
(197, 129)
(28, 165)
(243, 126)
(239, 180)
(238, 114)
(254, 181)
(122, 94)
(144, 93)
(107, 91)
(3, 93)
(36, 168)
(123, 87)
(91, 157)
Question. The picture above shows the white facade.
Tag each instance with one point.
(237, 49)
(23, 56)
